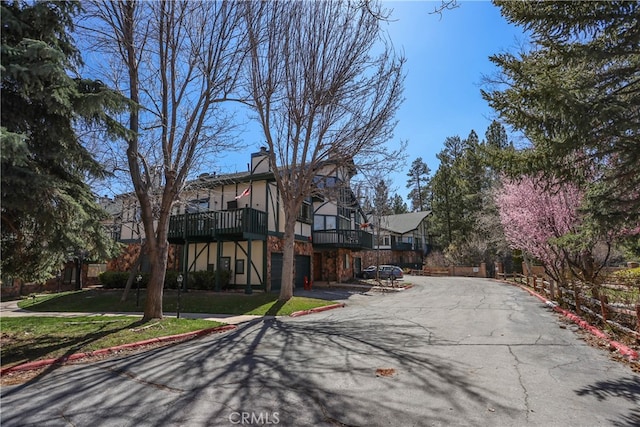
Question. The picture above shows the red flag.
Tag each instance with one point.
(244, 193)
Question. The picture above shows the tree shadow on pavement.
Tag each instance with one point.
(304, 372)
(626, 388)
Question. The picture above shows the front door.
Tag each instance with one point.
(357, 266)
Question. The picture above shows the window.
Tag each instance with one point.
(198, 205)
(325, 181)
(305, 213)
(233, 204)
(324, 222)
(344, 224)
(239, 266)
(330, 223)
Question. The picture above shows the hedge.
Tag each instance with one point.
(203, 280)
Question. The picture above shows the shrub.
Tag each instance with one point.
(118, 279)
(630, 276)
(206, 280)
(202, 280)
(225, 279)
(114, 279)
(171, 279)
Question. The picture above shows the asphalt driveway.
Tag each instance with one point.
(450, 351)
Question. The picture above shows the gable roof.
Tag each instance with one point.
(403, 223)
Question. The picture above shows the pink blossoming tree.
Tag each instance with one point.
(535, 219)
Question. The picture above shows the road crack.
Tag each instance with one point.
(139, 380)
(524, 389)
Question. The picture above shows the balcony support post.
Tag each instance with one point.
(218, 258)
(185, 255)
(247, 288)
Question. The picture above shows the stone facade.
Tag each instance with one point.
(130, 254)
(276, 245)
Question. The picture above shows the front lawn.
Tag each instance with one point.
(104, 301)
(27, 339)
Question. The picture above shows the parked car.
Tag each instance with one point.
(369, 272)
(387, 271)
(384, 272)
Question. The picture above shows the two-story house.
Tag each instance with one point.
(235, 222)
(400, 240)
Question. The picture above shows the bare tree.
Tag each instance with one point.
(177, 61)
(323, 99)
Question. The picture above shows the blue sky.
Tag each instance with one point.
(446, 56)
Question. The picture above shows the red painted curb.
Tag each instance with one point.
(316, 310)
(622, 349)
(76, 356)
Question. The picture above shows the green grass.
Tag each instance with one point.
(26, 339)
(102, 301)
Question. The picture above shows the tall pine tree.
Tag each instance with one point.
(47, 207)
(574, 94)
(398, 206)
(418, 182)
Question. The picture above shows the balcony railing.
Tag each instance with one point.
(218, 225)
(403, 246)
(354, 239)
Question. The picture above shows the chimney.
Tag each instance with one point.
(260, 161)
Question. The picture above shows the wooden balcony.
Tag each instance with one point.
(352, 239)
(404, 246)
(237, 224)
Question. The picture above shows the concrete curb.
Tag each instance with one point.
(316, 310)
(349, 287)
(621, 348)
(77, 356)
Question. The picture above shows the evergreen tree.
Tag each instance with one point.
(381, 200)
(472, 180)
(496, 141)
(460, 189)
(398, 206)
(496, 136)
(47, 207)
(574, 95)
(447, 201)
(418, 182)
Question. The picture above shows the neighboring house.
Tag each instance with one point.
(401, 240)
(235, 222)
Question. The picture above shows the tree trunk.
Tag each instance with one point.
(155, 287)
(288, 258)
(132, 274)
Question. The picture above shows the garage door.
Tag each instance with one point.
(303, 269)
(276, 272)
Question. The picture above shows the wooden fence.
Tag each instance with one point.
(466, 271)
